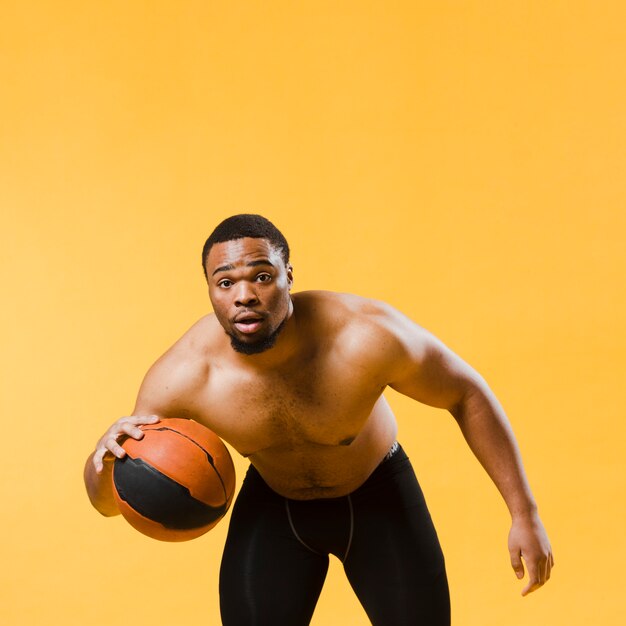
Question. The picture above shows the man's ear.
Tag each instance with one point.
(289, 269)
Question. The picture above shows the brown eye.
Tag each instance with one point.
(264, 278)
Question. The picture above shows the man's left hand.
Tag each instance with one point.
(528, 540)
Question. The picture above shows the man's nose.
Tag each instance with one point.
(245, 294)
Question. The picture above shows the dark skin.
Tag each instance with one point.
(309, 411)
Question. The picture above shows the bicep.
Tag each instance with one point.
(167, 388)
(153, 398)
(429, 372)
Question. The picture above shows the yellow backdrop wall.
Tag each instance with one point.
(462, 160)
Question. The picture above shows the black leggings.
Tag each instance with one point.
(276, 554)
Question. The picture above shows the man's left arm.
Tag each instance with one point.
(429, 372)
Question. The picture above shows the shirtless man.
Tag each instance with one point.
(295, 383)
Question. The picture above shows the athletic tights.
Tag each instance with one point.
(276, 554)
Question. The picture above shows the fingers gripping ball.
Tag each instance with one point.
(175, 483)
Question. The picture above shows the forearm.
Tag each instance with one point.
(100, 487)
(490, 437)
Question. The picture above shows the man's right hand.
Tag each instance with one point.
(108, 446)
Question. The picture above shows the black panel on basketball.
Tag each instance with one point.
(159, 498)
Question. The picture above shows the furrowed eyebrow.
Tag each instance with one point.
(227, 268)
(223, 268)
(259, 262)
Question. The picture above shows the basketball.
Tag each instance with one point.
(175, 483)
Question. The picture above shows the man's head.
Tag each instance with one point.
(246, 225)
(246, 264)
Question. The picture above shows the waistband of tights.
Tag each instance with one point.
(394, 448)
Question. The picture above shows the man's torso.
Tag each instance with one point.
(314, 426)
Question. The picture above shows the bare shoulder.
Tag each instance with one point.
(337, 302)
(180, 372)
(364, 326)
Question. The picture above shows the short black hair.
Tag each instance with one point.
(246, 225)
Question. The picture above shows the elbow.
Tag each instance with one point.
(472, 391)
(104, 506)
(456, 410)
(107, 512)
(99, 489)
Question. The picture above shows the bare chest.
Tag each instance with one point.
(307, 406)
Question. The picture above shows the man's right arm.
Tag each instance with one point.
(99, 466)
(164, 393)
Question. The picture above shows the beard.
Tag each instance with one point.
(256, 347)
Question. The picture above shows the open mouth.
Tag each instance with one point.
(248, 324)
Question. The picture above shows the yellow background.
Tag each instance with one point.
(462, 160)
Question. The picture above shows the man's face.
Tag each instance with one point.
(249, 288)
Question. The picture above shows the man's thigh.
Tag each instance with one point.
(395, 564)
(267, 576)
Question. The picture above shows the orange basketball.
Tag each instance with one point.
(177, 482)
